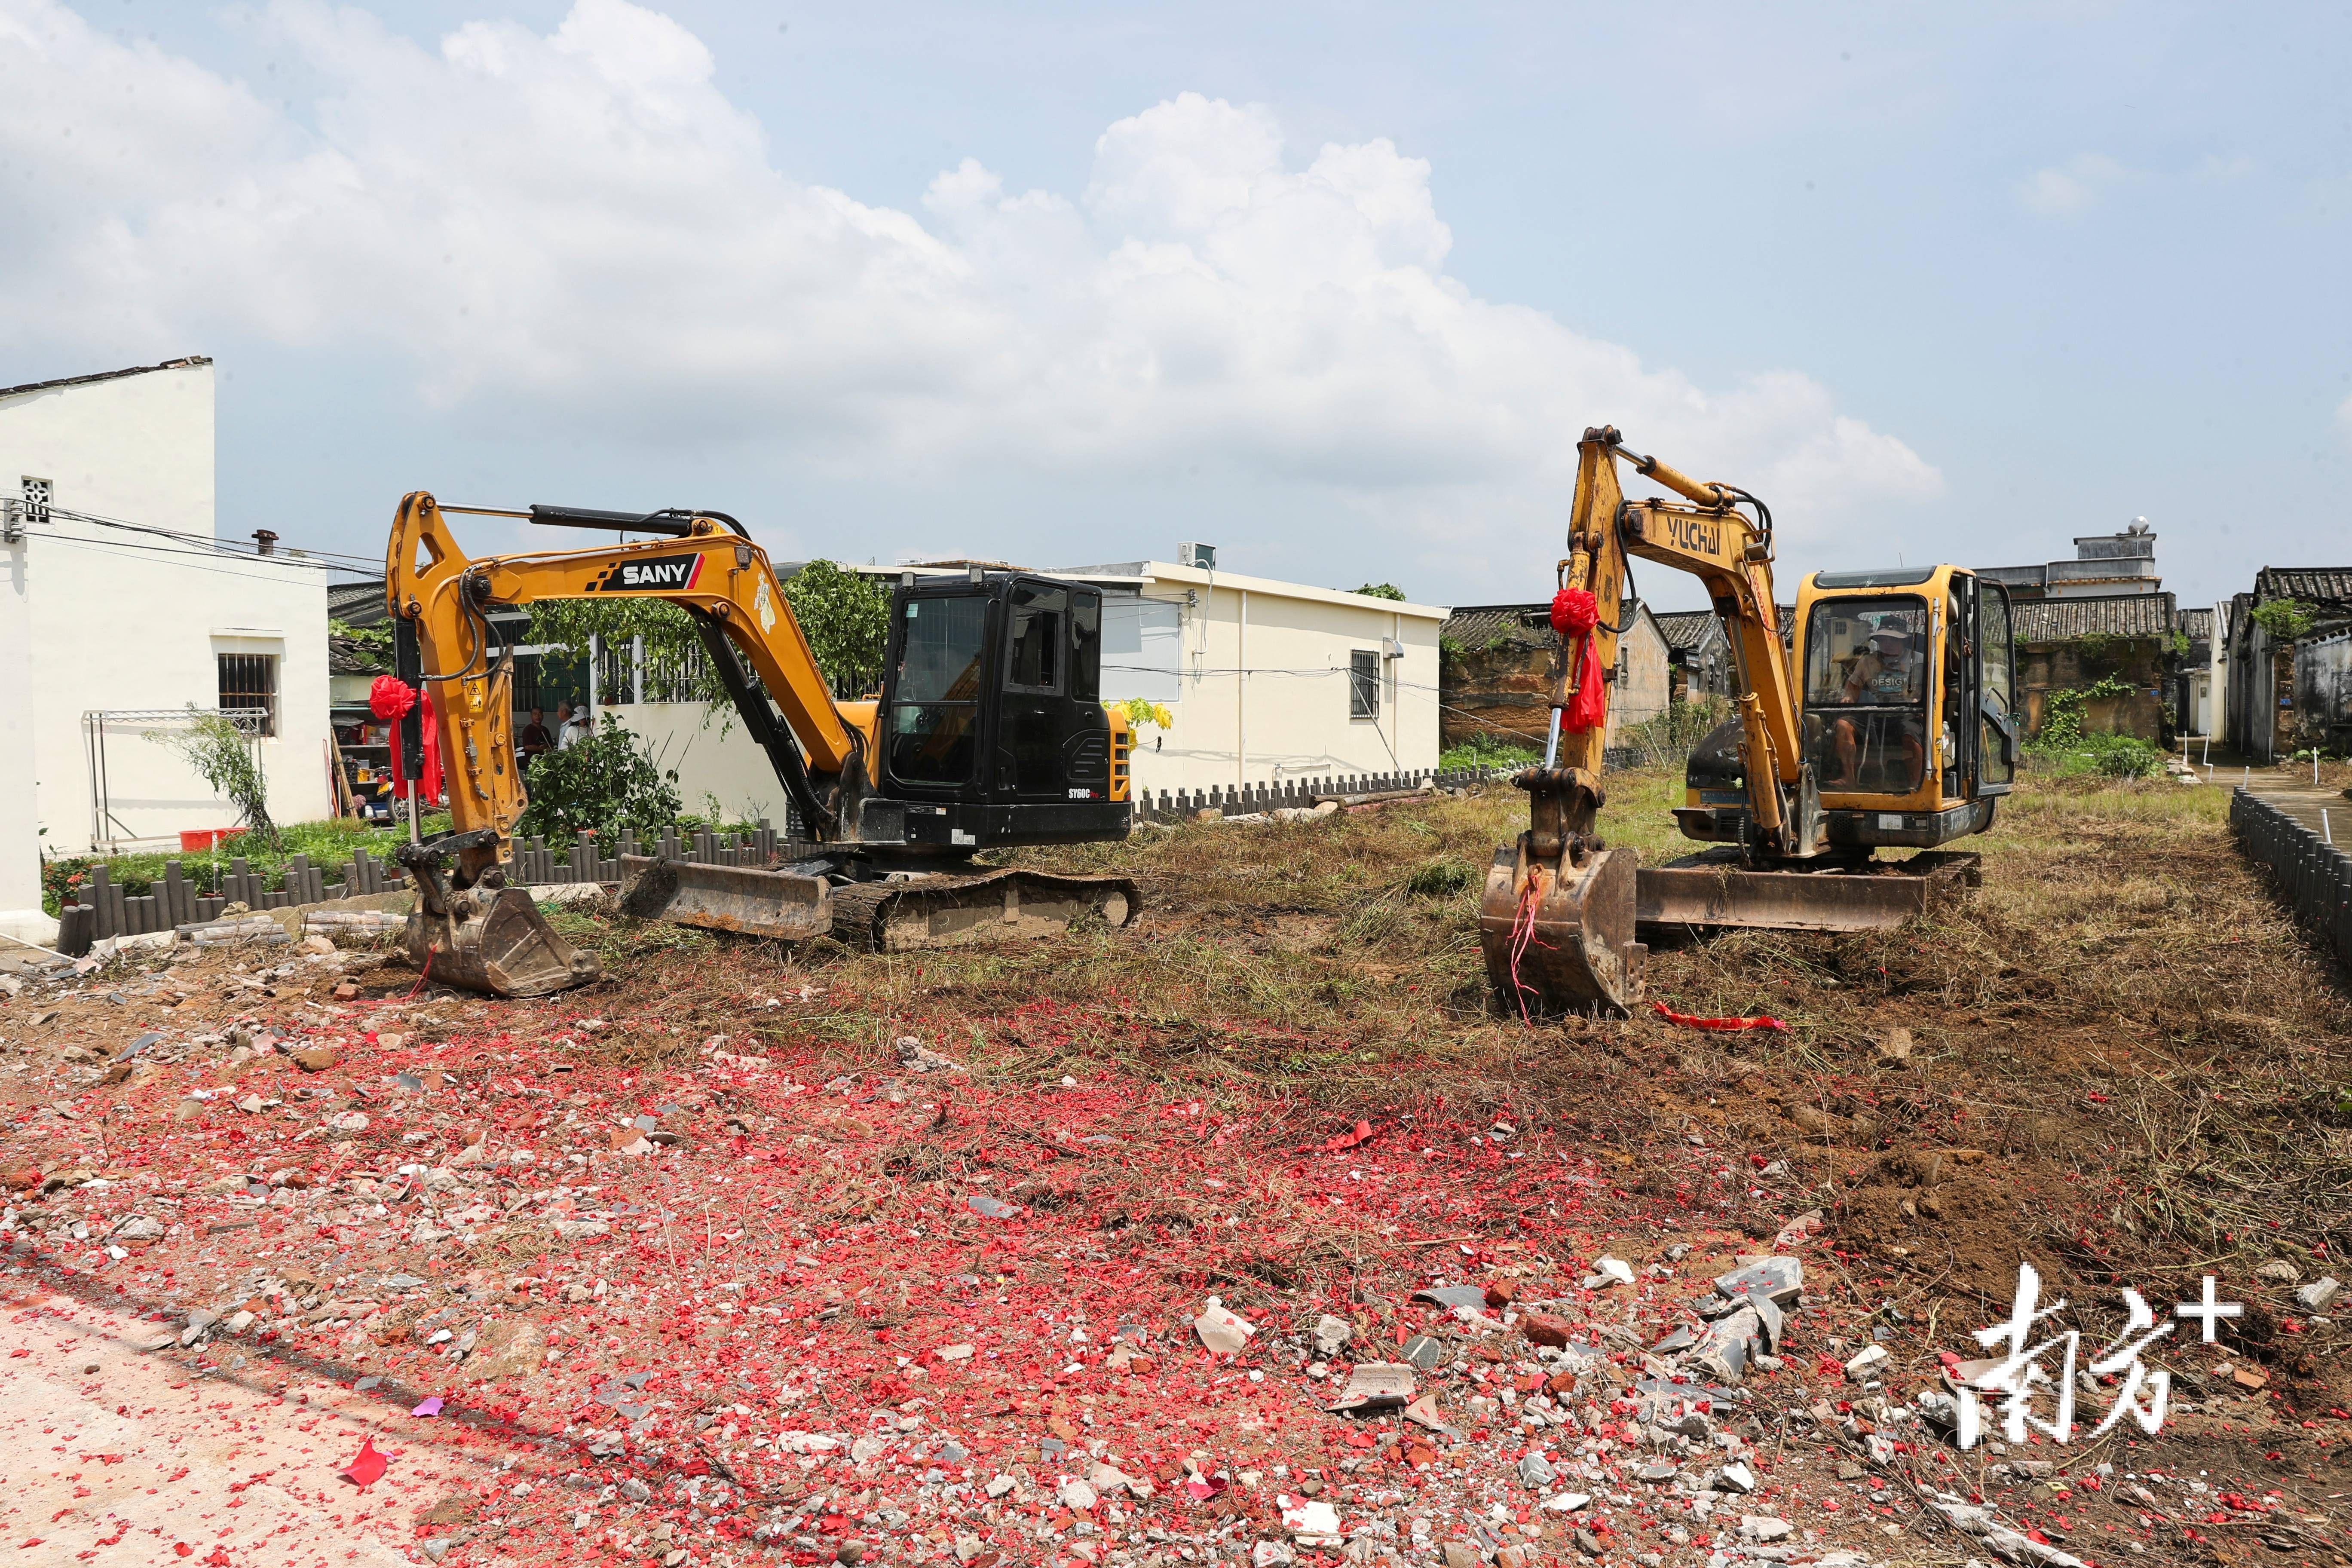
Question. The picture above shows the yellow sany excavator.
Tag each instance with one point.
(988, 732)
(1887, 723)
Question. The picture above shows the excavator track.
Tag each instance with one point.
(908, 914)
(902, 913)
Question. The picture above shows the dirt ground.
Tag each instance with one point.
(707, 1268)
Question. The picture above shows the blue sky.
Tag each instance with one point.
(1958, 283)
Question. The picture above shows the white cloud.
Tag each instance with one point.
(2059, 192)
(2343, 418)
(578, 230)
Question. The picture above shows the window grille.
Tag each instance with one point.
(248, 683)
(1363, 684)
(37, 495)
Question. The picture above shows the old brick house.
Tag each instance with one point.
(1495, 673)
(2288, 658)
(2076, 643)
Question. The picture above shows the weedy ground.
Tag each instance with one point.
(2154, 1063)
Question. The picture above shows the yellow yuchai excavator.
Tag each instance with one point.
(1887, 723)
(989, 731)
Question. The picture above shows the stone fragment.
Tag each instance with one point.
(2278, 1271)
(1224, 1331)
(2319, 1295)
(1607, 1271)
(1863, 1361)
(1543, 1329)
(1780, 1278)
(1763, 1527)
(1423, 1352)
(1471, 1296)
(1312, 1522)
(315, 1059)
(1375, 1386)
(1462, 1554)
(1565, 1502)
(1331, 1334)
(1535, 1471)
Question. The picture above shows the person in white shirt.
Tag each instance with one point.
(571, 726)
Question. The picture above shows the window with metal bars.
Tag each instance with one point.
(248, 683)
(1363, 684)
(38, 494)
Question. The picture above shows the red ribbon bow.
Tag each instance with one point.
(390, 698)
(1575, 613)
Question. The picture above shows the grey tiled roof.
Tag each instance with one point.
(2313, 585)
(2196, 625)
(2112, 616)
(1685, 629)
(1475, 626)
(357, 603)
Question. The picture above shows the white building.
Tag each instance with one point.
(1267, 682)
(122, 608)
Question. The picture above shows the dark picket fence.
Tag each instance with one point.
(1233, 800)
(104, 910)
(2313, 876)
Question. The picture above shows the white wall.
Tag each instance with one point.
(124, 620)
(731, 766)
(1260, 682)
(20, 860)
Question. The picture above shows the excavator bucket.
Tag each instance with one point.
(1565, 943)
(495, 943)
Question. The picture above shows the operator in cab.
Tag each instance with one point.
(1883, 673)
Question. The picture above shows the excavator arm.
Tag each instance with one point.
(704, 563)
(1731, 555)
(468, 928)
(1557, 922)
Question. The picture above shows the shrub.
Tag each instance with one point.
(1488, 752)
(602, 784)
(1381, 591)
(2285, 619)
(223, 757)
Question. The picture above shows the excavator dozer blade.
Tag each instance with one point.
(742, 898)
(1567, 945)
(1714, 890)
(495, 943)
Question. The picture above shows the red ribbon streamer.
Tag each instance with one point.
(1576, 614)
(1689, 1021)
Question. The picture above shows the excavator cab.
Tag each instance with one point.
(990, 729)
(1905, 682)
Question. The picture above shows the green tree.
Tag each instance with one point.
(846, 618)
(2285, 619)
(1381, 591)
(222, 754)
(604, 783)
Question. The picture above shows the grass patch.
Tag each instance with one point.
(2152, 1058)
